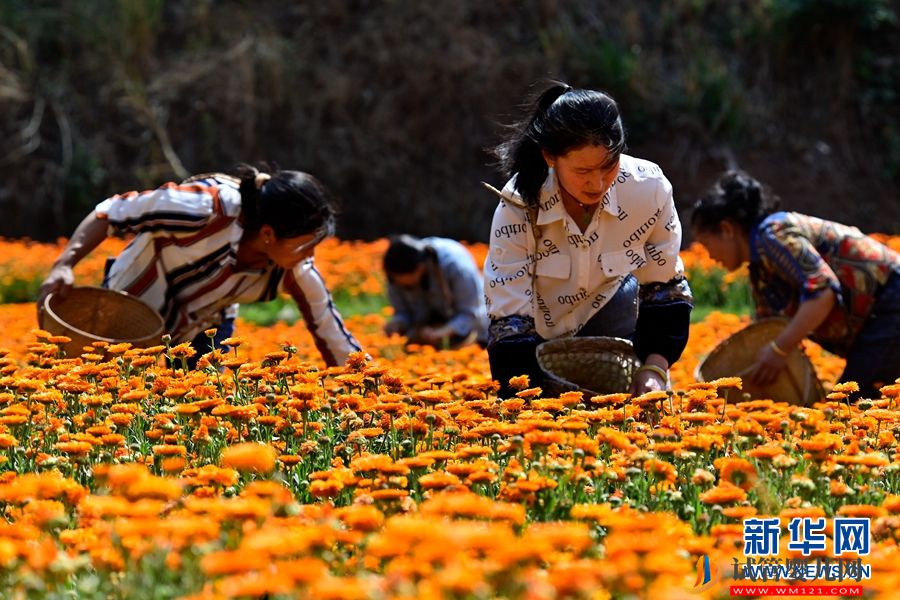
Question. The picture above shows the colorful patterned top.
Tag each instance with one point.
(794, 257)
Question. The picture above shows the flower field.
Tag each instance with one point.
(263, 474)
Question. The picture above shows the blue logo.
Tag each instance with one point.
(705, 572)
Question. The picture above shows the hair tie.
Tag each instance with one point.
(261, 179)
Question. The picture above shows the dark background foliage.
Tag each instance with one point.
(392, 103)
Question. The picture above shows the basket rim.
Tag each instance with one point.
(598, 341)
(724, 345)
(616, 345)
(49, 312)
(760, 325)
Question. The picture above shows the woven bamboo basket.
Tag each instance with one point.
(736, 355)
(91, 314)
(592, 365)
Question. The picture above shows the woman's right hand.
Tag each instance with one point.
(768, 366)
(395, 326)
(58, 281)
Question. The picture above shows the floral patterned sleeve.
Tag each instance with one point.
(784, 249)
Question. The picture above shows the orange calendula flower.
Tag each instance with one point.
(736, 471)
(389, 494)
(356, 360)
(766, 451)
(529, 393)
(76, 448)
(325, 488)
(225, 561)
(846, 388)
(728, 382)
(519, 382)
(724, 493)
(184, 350)
(173, 450)
(289, 460)
(438, 480)
(249, 457)
(361, 518)
(861, 510)
(739, 512)
(892, 504)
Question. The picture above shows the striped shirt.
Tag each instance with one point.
(182, 262)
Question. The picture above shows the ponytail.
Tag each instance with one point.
(250, 194)
(292, 203)
(736, 197)
(561, 119)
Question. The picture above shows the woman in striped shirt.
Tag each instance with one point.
(212, 242)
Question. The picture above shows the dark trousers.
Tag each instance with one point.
(203, 345)
(516, 355)
(874, 359)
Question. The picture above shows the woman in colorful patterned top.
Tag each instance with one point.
(584, 241)
(212, 242)
(838, 286)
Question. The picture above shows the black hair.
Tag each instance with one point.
(736, 197)
(560, 119)
(292, 203)
(405, 253)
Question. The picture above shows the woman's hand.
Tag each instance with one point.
(653, 376)
(88, 235)
(395, 326)
(772, 359)
(435, 335)
(58, 281)
(646, 381)
(768, 366)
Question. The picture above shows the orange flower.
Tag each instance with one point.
(766, 451)
(519, 382)
(724, 493)
(325, 488)
(861, 510)
(253, 457)
(727, 382)
(738, 512)
(173, 450)
(438, 480)
(76, 448)
(238, 561)
(736, 471)
(361, 518)
(892, 504)
(289, 460)
(846, 388)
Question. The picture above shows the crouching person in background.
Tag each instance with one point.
(436, 291)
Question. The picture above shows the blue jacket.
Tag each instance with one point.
(458, 301)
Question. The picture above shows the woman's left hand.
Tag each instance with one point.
(650, 380)
(646, 381)
(435, 335)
